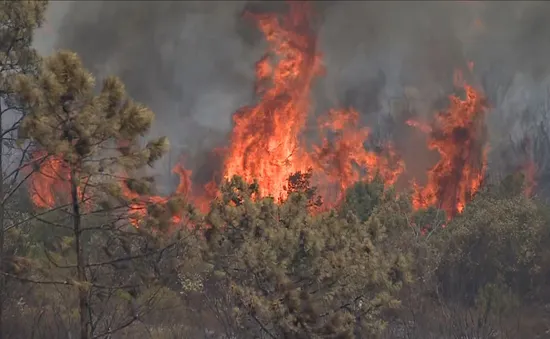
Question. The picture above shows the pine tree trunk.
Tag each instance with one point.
(80, 263)
(2, 264)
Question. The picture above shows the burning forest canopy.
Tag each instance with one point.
(356, 180)
(278, 135)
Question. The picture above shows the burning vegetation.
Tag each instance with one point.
(267, 142)
(458, 135)
(308, 224)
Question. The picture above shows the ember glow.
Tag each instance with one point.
(267, 142)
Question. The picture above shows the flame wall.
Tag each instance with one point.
(196, 65)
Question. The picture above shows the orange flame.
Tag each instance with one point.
(345, 157)
(138, 209)
(50, 183)
(456, 135)
(265, 141)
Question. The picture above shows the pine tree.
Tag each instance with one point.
(95, 140)
(18, 20)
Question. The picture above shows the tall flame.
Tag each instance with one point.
(343, 157)
(265, 144)
(457, 135)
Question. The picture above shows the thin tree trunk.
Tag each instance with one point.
(2, 264)
(80, 264)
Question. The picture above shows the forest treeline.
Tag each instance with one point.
(372, 267)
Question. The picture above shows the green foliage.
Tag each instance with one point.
(96, 134)
(363, 197)
(496, 240)
(18, 20)
(496, 300)
(482, 273)
(67, 119)
(107, 264)
(298, 275)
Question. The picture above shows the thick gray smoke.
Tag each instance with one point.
(192, 62)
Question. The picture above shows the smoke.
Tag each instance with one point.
(511, 54)
(192, 63)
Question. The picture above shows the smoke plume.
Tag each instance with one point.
(193, 64)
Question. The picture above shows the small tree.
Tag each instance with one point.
(363, 197)
(95, 141)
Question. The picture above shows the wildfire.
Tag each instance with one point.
(138, 209)
(344, 157)
(457, 135)
(50, 184)
(265, 141)
(51, 181)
